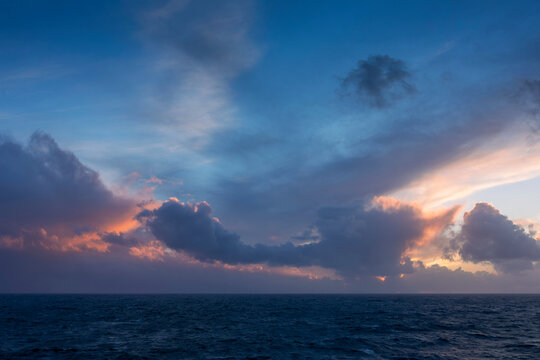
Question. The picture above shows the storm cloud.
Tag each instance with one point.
(363, 240)
(379, 80)
(44, 188)
(489, 236)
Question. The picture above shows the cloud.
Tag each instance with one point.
(508, 157)
(422, 155)
(119, 238)
(199, 47)
(45, 192)
(364, 240)
(379, 80)
(211, 34)
(489, 236)
(440, 279)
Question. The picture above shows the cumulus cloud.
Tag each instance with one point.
(379, 80)
(489, 236)
(364, 240)
(374, 240)
(46, 191)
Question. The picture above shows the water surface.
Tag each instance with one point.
(270, 326)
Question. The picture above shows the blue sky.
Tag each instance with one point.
(273, 113)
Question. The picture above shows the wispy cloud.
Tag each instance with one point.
(507, 158)
(201, 46)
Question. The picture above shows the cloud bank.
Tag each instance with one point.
(48, 197)
(363, 240)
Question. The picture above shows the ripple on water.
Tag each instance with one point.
(271, 326)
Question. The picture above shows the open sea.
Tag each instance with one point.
(270, 326)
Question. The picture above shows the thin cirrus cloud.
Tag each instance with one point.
(203, 45)
(509, 157)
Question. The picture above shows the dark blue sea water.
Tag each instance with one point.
(270, 326)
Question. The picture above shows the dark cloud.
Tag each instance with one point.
(120, 239)
(353, 241)
(489, 236)
(311, 234)
(191, 228)
(45, 187)
(379, 80)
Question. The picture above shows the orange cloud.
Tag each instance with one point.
(151, 251)
(435, 220)
(509, 158)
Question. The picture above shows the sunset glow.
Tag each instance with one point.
(251, 146)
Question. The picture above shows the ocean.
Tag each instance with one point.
(270, 326)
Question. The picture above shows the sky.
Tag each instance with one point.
(181, 146)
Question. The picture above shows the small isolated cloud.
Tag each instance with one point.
(353, 240)
(489, 236)
(378, 81)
